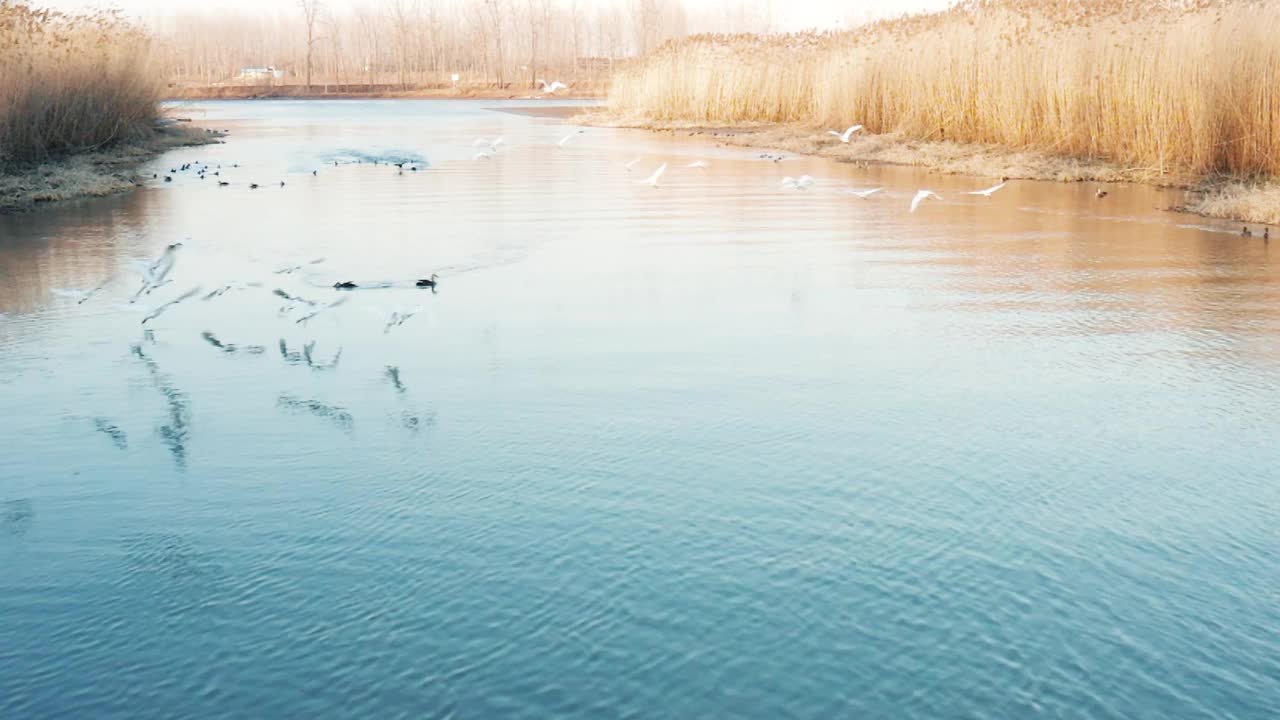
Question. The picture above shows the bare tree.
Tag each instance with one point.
(311, 10)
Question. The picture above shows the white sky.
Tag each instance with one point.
(789, 14)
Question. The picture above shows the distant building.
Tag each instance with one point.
(260, 73)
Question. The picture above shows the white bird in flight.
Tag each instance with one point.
(864, 194)
(804, 182)
(633, 163)
(80, 296)
(922, 196)
(653, 179)
(700, 164)
(844, 137)
(491, 144)
(989, 191)
(567, 138)
(483, 155)
(554, 86)
(156, 273)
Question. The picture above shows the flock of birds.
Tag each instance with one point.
(157, 273)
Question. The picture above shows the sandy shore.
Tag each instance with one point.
(1233, 199)
(96, 173)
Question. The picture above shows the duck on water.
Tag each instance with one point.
(422, 283)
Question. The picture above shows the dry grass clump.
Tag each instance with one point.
(1255, 202)
(1156, 87)
(71, 83)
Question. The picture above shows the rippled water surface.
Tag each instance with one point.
(711, 450)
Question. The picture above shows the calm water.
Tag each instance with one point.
(711, 450)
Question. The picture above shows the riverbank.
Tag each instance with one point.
(96, 173)
(1215, 197)
(377, 91)
(1109, 91)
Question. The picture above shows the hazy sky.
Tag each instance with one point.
(789, 14)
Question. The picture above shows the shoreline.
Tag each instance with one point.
(1221, 198)
(335, 91)
(94, 173)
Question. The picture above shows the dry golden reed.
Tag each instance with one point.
(1157, 86)
(71, 82)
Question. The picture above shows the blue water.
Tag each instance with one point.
(710, 450)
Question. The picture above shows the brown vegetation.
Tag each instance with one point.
(71, 83)
(1156, 90)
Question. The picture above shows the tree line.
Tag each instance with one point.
(429, 43)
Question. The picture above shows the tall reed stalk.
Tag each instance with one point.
(71, 82)
(1154, 85)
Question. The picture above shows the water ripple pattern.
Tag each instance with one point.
(714, 449)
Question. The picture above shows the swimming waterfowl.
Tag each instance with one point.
(223, 183)
(1100, 194)
(1266, 233)
(168, 179)
(428, 283)
(1245, 231)
(253, 186)
(344, 285)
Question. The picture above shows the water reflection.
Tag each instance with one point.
(118, 437)
(16, 517)
(333, 413)
(654, 440)
(177, 431)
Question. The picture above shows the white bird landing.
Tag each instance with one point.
(483, 155)
(844, 136)
(653, 179)
(804, 182)
(864, 194)
(922, 196)
(700, 164)
(989, 191)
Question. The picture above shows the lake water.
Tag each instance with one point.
(711, 450)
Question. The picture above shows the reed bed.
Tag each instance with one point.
(1158, 87)
(71, 83)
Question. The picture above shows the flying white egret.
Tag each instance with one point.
(554, 86)
(844, 137)
(922, 196)
(80, 296)
(156, 274)
(989, 191)
(567, 138)
(653, 179)
(864, 194)
(633, 163)
(483, 155)
(804, 182)
(700, 164)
